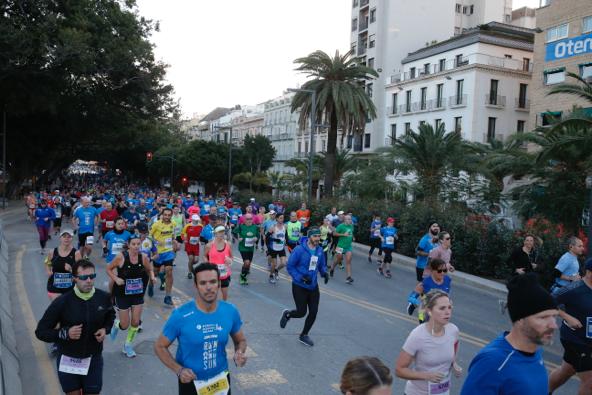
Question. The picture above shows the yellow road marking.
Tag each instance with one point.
(46, 367)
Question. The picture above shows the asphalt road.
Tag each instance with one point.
(366, 318)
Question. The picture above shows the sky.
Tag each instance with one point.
(226, 52)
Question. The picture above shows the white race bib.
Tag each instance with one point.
(277, 246)
(217, 385)
(168, 243)
(441, 388)
(250, 241)
(116, 248)
(194, 240)
(109, 224)
(339, 250)
(312, 265)
(74, 365)
(90, 240)
(377, 232)
(223, 270)
(390, 240)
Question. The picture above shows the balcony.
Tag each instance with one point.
(460, 62)
(495, 101)
(406, 108)
(435, 104)
(496, 136)
(457, 101)
(389, 141)
(392, 111)
(364, 3)
(363, 25)
(522, 105)
(362, 50)
(396, 78)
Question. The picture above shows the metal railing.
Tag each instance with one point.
(392, 111)
(457, 101)
(362, 50)
(522, 104)
(363, 25)
(496, 136)
(495, 101)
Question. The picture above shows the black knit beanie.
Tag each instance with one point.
(527, 297)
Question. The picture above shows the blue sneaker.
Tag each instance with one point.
(128, 350)
(150, 290)
(168, 300)
(114, 330)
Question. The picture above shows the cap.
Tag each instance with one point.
(314, 231)
(142, 227)
(340, 212)
(252, 199)
(195, 217)
(527, 297)
(390, 219)
(588, 264)
(272, 212)
(66, 231)
(219, 229)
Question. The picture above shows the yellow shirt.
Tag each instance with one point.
(163, 235)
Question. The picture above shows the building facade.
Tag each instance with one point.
(564, 44)
(476, 83)
(383, 32)
(280, 125)
(246, 125)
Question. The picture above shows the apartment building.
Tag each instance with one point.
(476, 83)
(563, 44)
(222, 129)
(247, 125)
(383, 32)
(280, 125)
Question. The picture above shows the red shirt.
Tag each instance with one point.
(193, 210)
(191, 231)
(108, 219)
(303, 216)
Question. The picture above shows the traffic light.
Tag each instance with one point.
(184, 180)
(149, 156)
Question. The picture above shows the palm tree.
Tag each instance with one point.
(344, 162)
(276, 179)
(341, 99)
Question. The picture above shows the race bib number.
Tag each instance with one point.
(116, 248)
(295, 233)
(58, 214)
(390, 240)
(223, 270)
(377, 232)
(312, 265)
(109, 224)
(303, 220)
(235, 217)
(339, 250)
(134, 286)
(142, 217)
(217, 385)
(207, 207)
(62, 280)
(90, 240)
(168, 243)
(250, 241)
(277, 246)
(325, 242)
(589, 327)
(442, 388)
(194, 240)
(74, 365)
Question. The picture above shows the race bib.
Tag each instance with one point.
(235, 217)
(193, 240)
(207, 207)
(142, 217)
(442, 388)
(168, 243)
(109, 224)
(74, 365)
(312, 265)
(339, 250)
(390, 240)
(90, 240)
(303, 220)
(62, 280)
(116, 248)
(217, 385)
(223, 270)
(58, 214)
(134, 286)
(295, 233)
(250, 241)
(277, 246)
(589, 327)
(377, 232)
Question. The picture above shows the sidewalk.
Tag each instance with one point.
(458, 276)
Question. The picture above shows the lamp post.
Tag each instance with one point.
(4, 158)
(172, 158)
(589, 186)
(313, 108)
(229, 153)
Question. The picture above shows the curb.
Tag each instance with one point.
(458, 276)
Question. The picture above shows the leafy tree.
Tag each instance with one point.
(258, 153)
(341, 99)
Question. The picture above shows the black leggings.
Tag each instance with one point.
(305, 298)
(375, 243)
(388, 255)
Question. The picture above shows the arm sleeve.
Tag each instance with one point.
(423, 244)
(46, 327)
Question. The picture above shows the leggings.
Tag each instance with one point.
(43, 235)
(375, 243)
(305, 298)
(388, 255)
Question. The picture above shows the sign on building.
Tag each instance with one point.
(569, 47)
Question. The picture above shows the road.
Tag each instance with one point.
(367, 318)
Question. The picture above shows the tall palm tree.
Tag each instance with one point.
(341, 99)
(344, 162)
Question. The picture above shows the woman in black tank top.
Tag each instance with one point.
(59, 266)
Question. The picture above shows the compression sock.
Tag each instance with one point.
(131, 334)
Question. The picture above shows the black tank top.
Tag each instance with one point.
(61, 280)
(134, 276)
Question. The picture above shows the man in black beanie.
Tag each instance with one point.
(513, 363)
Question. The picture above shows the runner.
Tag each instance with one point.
(191, 234)
(162, 232)
(438, 279)
(31, 203)
(388, 236)
(303, 216)
(513, 363)
(248, 236)
(432, 348)
(335, 222)
(78, 334)
(294, 229)
(276, 247)
(108, 217)
(58, 209)
(43, 218)
(442, 251)
(115, 241)
(524, 258)
(84, 219)
(427, 243)
(345, 233)
(266, 221)
(366, 375)
(567, 269)
(375, 242)
(148, 248)
(306, 262)
(178, 220)
(201, 328)
(575, 304)
(219, 252)
(132, 218)
(235, 213)
(130, 271)
(326, 231)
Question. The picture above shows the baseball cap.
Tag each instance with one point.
(66, 231)
(195, 217)
(219, 229)
(390, 219)
(272, 212)
(340, 212)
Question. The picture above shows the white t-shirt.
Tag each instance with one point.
(432, 354)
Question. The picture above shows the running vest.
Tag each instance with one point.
(61, 280)
(293, 229)
(177, 221)
(216, 256)
(134, 276)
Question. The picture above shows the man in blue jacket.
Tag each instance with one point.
(306, 261)
(513, 363)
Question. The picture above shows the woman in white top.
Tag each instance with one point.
(432, 348)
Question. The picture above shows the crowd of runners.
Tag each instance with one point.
(140, 232)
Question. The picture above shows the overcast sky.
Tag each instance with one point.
(227, 52)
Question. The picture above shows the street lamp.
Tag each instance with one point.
(229, 153)
(313, 108)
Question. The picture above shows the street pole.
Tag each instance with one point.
(4, 158)
(229, 162)
(589, 186)
(172, 161)
(311, 156)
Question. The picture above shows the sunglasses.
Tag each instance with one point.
(85, 277)
(442, 270)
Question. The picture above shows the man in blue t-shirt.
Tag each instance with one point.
(513, 363)
(567, 269)
(575, 304)
(84, 219)
(201, 328)
(427, 243)
(388, 237)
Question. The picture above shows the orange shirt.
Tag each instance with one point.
(304, 217)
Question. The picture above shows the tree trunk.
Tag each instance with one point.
(330, 156)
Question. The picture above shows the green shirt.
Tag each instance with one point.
(294, 230)
(250, 236)
(345, 241)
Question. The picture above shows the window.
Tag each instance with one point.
(426, 68)
(459, 91)
(306, 146)
(350, 141)
(372, 42)
(508, 18)
(472, 10)
(458, 124)
(393, 133)
(412, 72)
(324, 145)
(458, 8)
(407, 128)
(367, 140)
(465, 9)
(491, 129)
(507, 56)
(460, 61)
(587, 25)
(442, 65)
(371, 63)
(369, 89)
(424, 94)
(408, 103)
(586, 70)
(557, 32)
(493, 92)
(520, 126)
(522, 95)
(299, 147)
(439, 95)
(355, 3)
(354, 24)
(373, 15)
(438, 123)
(395, 102)
(525, 64)
(553, 77)
(549, 117)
